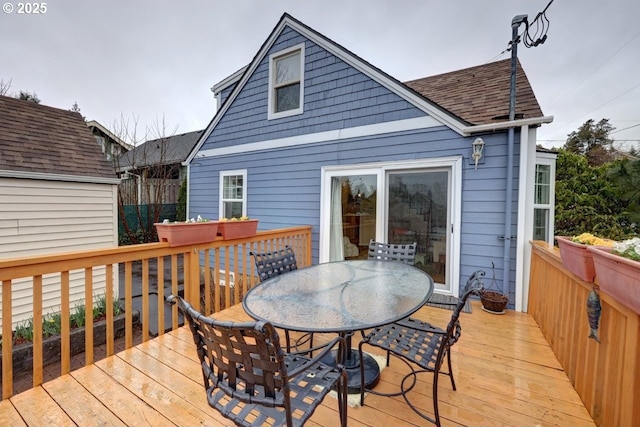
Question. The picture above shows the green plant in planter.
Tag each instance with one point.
(24, 331)
(77, 318)
(102, 306)
(51, 323)
(628, 249)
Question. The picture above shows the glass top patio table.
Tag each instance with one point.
(341, 297)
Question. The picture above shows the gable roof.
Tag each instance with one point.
(439, 96)
(345, 55)
(480, 94)
(38, 141)
(96, 127)
(160, 151)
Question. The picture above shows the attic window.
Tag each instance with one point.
(286, 82)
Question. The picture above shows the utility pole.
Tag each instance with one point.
(540, 21)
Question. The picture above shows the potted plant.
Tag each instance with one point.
(576, 258)
(237, 228)
(492, 298)
(618, 271)
(190, 232)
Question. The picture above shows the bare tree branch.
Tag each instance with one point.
(4, 87)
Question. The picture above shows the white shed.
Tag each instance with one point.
(58, 193)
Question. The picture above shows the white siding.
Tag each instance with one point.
(42, 217)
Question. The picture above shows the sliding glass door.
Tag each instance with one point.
(353, 215)
(396, 203)
(418, 211)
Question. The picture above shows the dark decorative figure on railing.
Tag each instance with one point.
(593, 313)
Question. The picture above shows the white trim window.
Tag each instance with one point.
(286, 82)
(544, 200)
(233, 194)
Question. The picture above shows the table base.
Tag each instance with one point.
(371, 370)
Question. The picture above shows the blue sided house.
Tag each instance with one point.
(311, 134)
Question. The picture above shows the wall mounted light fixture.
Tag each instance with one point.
(478, 148)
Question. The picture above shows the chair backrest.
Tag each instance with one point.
(239, 360)
(473, 286)
(392, 252)
(270, 264)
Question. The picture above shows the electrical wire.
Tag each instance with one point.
(606, 61)
(629, 127)
(497, 56)
(539, 26)
(625, 92)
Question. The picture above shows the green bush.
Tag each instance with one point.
(588, 201)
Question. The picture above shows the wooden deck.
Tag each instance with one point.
(506, 373)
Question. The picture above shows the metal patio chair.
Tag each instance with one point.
(250, 380)
(392, 252)
(420, 343)
(405, 254)
(275, 263)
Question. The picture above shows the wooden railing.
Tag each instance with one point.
(606, 375)
(200, 266)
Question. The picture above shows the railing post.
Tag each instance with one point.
(7, 346)
(192, 277)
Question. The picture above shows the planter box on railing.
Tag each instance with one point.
(187, 233)
(237, 229)
(618, 276)
(576, 258)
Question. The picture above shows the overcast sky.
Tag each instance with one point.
(149, 60)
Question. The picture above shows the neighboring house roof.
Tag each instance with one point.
(162, 151)
(42, 141)
(95, 126)
(480, 95)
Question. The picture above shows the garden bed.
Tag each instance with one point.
(23, 352)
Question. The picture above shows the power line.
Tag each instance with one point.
(630, 127)
(606, 61)
(609, 101)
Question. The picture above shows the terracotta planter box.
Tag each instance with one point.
(576, 258)
(618, 277)
(237, 229)
(187, 233)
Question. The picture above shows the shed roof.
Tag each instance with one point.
(480, 94)
(36, 138)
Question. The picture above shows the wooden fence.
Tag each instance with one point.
(606, 375)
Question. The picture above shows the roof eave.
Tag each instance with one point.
(58, 177)
(491, 127)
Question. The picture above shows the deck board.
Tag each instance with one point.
(505, 371)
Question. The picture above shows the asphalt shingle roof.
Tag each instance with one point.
(161, 151)
(480, 94)
(42, 139)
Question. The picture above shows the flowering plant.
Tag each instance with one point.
(198, 219)
(242, 218)
(590, 239)
(628, 249)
